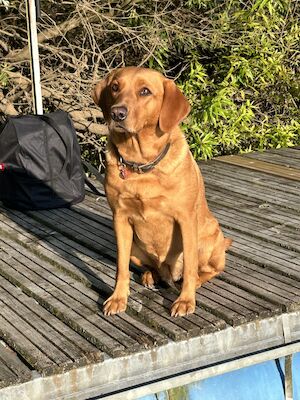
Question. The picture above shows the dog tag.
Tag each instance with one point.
(123, 171)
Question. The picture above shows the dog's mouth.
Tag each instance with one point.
(121, 128)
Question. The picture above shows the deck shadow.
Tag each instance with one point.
(46, 231)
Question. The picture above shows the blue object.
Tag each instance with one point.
(260, 382)
(296, 376)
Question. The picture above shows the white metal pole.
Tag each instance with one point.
(34, 57)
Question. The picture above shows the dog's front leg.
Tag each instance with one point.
(185, 303)
(117, 302)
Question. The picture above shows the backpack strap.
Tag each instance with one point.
(98, 176)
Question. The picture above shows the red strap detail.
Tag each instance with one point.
(2, 167)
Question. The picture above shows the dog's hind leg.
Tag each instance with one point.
(150, 278)
(211, 268)
(212, 261)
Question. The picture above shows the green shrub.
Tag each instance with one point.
(242, 81)
(237, 62)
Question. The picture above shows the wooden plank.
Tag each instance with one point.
(89, 212)
(22, 345)
(257, 165)
(275, 158)
(204, 302)
(160, 301)
(267, 231)
(230, 318)
(24, 228)
(37, 232)
(275, 253)
(217, 194)
(52, 342)
(190, 325)
(267, 256)
(59, 286)
(285, 284)
(241, 311)
(263, 308)
(221, 308)
(71, 219)
(204, 319)
(261, 181)
(58, 304)
(7, 377)
(96, 228)
(273, 233)
(246, 209)
(79, 350)
(268, 213)
(104, 246)
(92, 277)
(142, 295)
(287, 152)
(186, 325)
(99, 203)
(12, 369)
(284, 238)
(262, 283)
(208, 302)
(10, 359)
(61, 293)
(260, 193)
(108, 271)
(254, 286)
(89, 229)
(258, 179)
(58, 360)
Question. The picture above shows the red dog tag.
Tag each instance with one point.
(124, 173)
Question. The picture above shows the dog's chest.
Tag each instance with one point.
(152, 221)
(144, 206)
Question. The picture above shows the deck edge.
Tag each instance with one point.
(182, 362)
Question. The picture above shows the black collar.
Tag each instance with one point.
(142, 168)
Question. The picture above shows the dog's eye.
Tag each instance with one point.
(145, 92)
(114, 87)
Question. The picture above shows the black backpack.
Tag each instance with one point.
(40, 166)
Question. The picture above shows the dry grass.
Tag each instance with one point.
(80, 41)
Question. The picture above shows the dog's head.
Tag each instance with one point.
(134, 98)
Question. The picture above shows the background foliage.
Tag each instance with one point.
(237, 62)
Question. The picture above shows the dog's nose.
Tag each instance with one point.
(119, 113)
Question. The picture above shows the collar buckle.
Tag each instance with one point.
(137, 168)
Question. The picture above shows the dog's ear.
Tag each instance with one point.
(96, 93)
(101, 96)
(175, 107)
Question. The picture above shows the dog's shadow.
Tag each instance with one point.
(95, 266)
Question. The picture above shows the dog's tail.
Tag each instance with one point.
(227, 243)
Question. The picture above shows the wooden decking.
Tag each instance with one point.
(57, 267)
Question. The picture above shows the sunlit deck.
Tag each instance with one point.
(57, 267)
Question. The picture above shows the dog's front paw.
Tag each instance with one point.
(182, 307)
(114, 305)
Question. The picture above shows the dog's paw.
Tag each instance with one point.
(148, 280)
(183, 307)
(114, 305)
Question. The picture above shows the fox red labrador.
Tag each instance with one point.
(155, 189)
